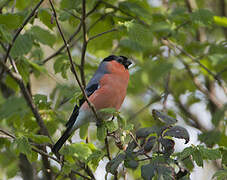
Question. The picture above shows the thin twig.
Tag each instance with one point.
(93, 9)
(10, 58)
(166, 94)
(174, 46)
(64, 45)
(33, 148)
(107, 147)
(81, 175)
(124, 12)
(21, 28)
(8, 134)
(195, 80)
(85, 41)
(46, 154)
(153, 100)
(100, 34)
(72, 64)
(72, 14)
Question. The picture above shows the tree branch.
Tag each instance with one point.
(100, 34)
(85, 41)
(107, 147)
(72, 64)
(64, 45)
(17, 77)
(33, 148)
(173, 46)
(21, 28)
(124, 12)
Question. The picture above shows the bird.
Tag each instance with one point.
(106, 89)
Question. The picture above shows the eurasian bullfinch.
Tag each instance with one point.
(106, 89)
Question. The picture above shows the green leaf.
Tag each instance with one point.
(83, 131)
(134, 7)
(202, 17)
(43, 36)
(121, 122)
(132, 163)
(61, 65)
(11, 21)
(13, 106)
(224, 155)
(221, 21)
(24, 69)
(38, 138)
(163, 118)
(210, 154)
(46, 18)
(148, 171)
(168, 145)
(94, 159)
(41, 101)
(76, 98)
(197, 157)
(188, 163)
(101, 132)
(23, 146)
(186, 152)
(219, 115)
(145, 132)
(139, 34)
(131, 146)
(220, 174)
(36, 67)
(210, 138)
(178, 132)
(12, 170)
(11, 83)
(111, 126)
(150, 144)
(33, 156)
(22, 4)
(163, 171)
(5, 36)
(109, 110)
(70, 4)
(22, 45)
(114, 163)
(66, 169)
(81, 150)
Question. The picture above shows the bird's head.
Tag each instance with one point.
(120, 59)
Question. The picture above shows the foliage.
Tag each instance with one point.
(179, 53)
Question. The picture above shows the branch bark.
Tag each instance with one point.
(17, 77)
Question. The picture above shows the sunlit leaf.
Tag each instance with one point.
(43, 35)
(22, 45)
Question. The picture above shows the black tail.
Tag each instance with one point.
(61, 141)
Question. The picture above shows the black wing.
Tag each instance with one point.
(92, 86)
(76, 108)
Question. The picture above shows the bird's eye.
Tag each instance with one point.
(120, 60)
